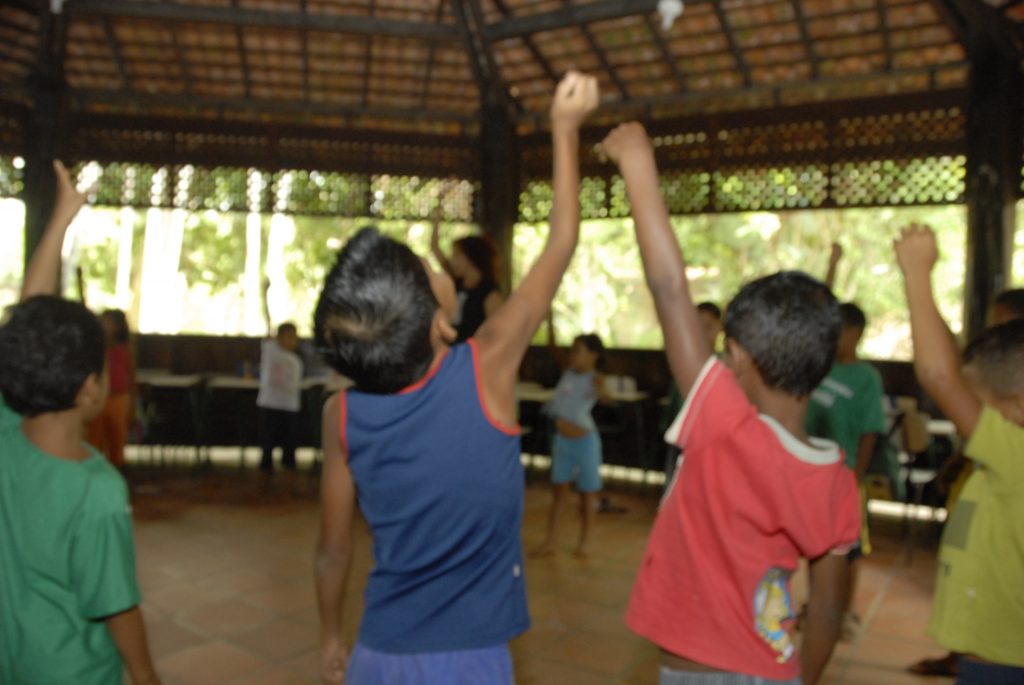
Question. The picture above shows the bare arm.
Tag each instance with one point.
(865, 450)
(129, 635)
(504, 337)
(829, 578)
(435, 244)
(334, 546)
(43, 269)
(833, 262)
(685, 344)
(936, 360)
(492, 303)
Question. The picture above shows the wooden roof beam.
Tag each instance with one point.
(734, 47)
(537, 55)
(244, 16)
(85, 98)
(115, 49)
(568, 16)
(666, 53)
(805, 36)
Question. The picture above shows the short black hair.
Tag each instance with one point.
(48, 347)
(710, 308)
(372, 322)
(998, 355)
(593, 343)
(852, 316)
(1013, 300)
(286, 328)
(481, 253)
(789, 325)
(122, 333)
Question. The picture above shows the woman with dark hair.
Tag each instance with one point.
(108, 432)
(474, 267)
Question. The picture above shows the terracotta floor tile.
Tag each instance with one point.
(225, 564)
(213, 663)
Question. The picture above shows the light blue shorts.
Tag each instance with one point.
(463, 667)
(577, 459)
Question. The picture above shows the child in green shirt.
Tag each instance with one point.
(68, 593)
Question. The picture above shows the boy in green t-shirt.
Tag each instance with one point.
(978, 609)
(68, 594)
(848, 408)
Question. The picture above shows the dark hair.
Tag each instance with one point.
(592, 341)
(789, 325)
(120, 321)
(998, 355)
(286, 328)
(710, 308)
(48, 347)
(373, 320)
(482, 254)
(852, 316)
(1012, 300)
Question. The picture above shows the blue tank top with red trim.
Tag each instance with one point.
(441, 485)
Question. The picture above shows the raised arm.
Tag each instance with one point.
(936, 360)
(685, 344)
(334, 547)
(834, 257)
(504, 337)
(43, 269)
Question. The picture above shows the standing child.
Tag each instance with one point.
(428, 441)
(753, 494)
(69, 599)
(280, 397)
(108, 432)
(576, 448)
(848, 407)
(978, 610)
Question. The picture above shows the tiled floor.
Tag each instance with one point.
(225, 561)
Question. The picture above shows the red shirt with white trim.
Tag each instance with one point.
(748, 501)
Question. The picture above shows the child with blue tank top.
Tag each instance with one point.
(576, 447)
(427, 444)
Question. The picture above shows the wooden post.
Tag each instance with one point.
(499, 184)
(46, 131)
(994, 146)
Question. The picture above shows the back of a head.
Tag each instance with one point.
(48, 347)
(480, 251)
(789, 325)
(119, 325)
(372, 322)
(1012, 302)
(998, 357)
(852, 316)
(711, 309)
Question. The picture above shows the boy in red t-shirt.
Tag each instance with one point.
(754, 494)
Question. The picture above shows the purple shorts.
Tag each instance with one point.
(491, 665)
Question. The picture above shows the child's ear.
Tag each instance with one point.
(441, 329)
(93, 393)
(739, 359)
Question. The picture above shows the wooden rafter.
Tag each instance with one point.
(186, 73)
(243, 56)
(115, 49)
(244, 16)
(568, 16)
(87, 98)
(734, 47)
(666, 53)
(494, 73)
(697, 98)
(602, 58)
(530, 44)
(428, 69)
(883, 24)
(485, 87)
(805, 36)
(304, 51)
(368, 61)
(972, 15)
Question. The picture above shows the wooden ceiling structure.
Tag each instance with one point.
(734, 90)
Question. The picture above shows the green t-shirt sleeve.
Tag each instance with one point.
(998, 445)
(103, 552)
(872, 398)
